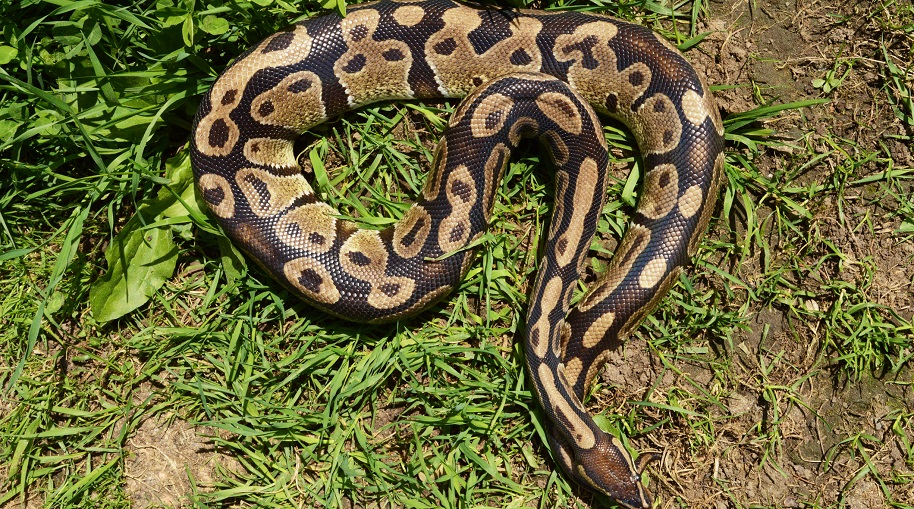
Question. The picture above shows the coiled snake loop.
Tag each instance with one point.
(528, 74)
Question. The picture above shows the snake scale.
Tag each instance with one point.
(525, 74)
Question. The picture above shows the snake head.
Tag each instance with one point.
(607, 468)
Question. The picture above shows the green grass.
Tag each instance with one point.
(756, 362)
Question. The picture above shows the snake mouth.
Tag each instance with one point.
(608, 468)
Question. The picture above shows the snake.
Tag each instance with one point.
(523, 74)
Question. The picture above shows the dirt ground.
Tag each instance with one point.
(780, 47)
(776, 48)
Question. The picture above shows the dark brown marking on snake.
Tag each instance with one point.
(261, 188)
(521, 57)
(316, 238)
(410, 236)
(612, 103)
(567, 108)
(566, 422)
(280, 42)
(293, 230)
(393, 55)
(462, 190)
(446, 47)
(300, 86)
(218, 133)
(358, 33)
(563, 378)
(563, 339)
(390, 289)
(634, 250)
(214, 195)
(585, 46)
(561, 245)
(457, 232)
(266, 109)
(229, 97)
(493, 119)
(310, 280)
(359, 259)
(355, 64)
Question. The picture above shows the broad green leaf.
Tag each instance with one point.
(8, 129)
(339, 5)
(233, 263)
(214, 25)
(7, 54)
(144, 255)
(181, 189)
(139, 262)
(187, 31)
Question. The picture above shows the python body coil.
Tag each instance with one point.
(527, 74)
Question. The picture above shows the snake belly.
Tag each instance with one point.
(534, 74)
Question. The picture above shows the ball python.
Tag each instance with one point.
(525, 74)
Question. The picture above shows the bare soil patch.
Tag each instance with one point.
(168, 458)
(794, 429)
